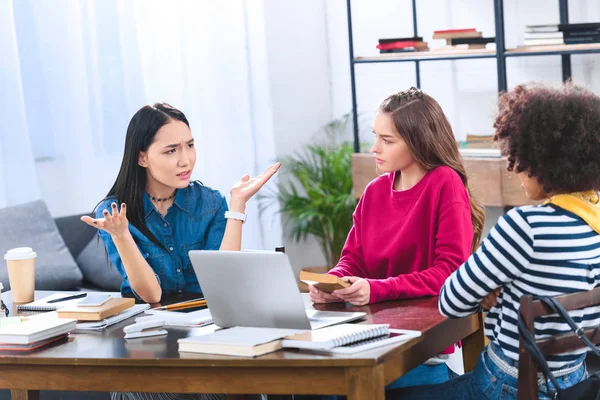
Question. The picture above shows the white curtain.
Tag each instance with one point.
(75, 71)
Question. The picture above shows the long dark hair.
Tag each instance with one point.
(130, 185)
(421, 123)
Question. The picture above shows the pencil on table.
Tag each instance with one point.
(179, 306)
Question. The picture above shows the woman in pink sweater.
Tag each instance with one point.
(415, 224)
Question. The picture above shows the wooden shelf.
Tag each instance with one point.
(553, 49)
(429, 55)
(492, 185)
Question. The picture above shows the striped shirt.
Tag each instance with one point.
(532, 250)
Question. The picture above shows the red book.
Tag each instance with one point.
(400, 45)
(455, 30)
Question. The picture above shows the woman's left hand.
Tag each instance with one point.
(358, 294)
(247, 187)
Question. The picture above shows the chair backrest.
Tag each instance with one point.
(531, 309)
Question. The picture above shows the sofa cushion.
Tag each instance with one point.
(76, 233)
(96, 267)
(31, 225)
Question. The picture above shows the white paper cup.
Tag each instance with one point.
(21, 273)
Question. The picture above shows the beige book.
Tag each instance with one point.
(325, 282)
(108, 309)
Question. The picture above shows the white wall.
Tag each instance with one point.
(298, 59)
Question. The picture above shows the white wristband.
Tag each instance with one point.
(236, 215)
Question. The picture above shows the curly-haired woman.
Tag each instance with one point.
(551, 137)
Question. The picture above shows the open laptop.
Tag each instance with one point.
(257, 289)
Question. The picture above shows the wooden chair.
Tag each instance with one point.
(530, 309)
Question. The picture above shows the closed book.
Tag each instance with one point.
(587, 32)
(579, 27)
(404, 39)
(97, 313)
(400, 45)
(34, 330)
(456, 33)
(33, 345)
(455, 41)
(238, 341)
(325, 282)
(542, 28)
(544, 35)
(542, 42)
(335, 336)
(115, 319)
(583, 39)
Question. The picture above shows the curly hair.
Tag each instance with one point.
(553, 134)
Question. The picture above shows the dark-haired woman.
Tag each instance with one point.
(552, 139)
(153, 215)
(414, 225)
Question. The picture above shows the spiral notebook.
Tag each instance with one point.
(43, 305)
(115, 319)
(335, 336)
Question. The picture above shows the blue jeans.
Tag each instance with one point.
(486, 381)
(421, 375)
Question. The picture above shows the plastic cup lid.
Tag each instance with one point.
(20, 253)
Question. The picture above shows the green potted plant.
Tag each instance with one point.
(315, 193)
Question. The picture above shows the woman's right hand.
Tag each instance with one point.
(319, 297)
(116, 224)
(490, 300)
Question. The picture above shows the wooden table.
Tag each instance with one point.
(104, 361)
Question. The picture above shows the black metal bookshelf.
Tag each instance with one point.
(501, 53)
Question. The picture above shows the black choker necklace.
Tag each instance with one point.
(163, 198)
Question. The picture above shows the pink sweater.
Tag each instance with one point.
(406, 243)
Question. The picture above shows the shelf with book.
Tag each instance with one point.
(500, 53)
(557, 49)
(431, 55)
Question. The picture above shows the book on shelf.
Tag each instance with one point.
(115, 319)
(27, 331)
(583, 39)
(544, 35)
(543, 42)
(542, 28)
(404, 39)
(456, 33)
(97, 313)
(586, 26)
(324, 282)
(238, 341)
(48, 303)
(480, 153)
(478, 40)
(401, 45)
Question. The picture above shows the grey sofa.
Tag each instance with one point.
(70, 257)
(69, 254)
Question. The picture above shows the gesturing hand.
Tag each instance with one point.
(247, 187)
(115, 224)
(358, 294)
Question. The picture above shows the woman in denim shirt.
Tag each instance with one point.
(153, 215)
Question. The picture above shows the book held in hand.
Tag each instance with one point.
(324, 282)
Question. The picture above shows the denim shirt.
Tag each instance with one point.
(195, 221)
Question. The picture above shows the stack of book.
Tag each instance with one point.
(22, 334)
(402, 45)
(469, 38)
(556, 34)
